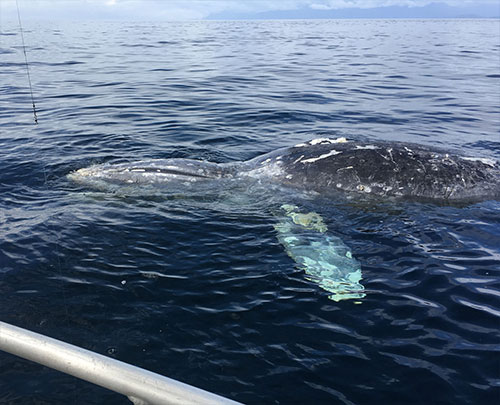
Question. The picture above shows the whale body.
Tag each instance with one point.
(329, 166)
(324, 166)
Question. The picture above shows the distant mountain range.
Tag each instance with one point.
(434, 10)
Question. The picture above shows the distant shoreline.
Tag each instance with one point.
(225, 10)
(12, 21)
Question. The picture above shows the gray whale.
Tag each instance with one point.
(329, 166)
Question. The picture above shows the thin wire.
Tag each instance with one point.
(57, 241)
(26, 63)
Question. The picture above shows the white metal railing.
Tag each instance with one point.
(140, 386)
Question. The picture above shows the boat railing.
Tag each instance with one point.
(142, 387)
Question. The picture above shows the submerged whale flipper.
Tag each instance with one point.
(325, 259)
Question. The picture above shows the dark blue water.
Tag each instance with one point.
(197, 287)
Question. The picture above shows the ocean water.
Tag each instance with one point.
(195, 285)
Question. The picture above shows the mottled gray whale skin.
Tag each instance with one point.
(329, 166)
(387, 169)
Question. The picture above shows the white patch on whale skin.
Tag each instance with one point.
(320, 141)
(366, 189)
(298, 159)
(345, 168)
(486, 161)
(331, 153)
(327, 140)
(373, 147)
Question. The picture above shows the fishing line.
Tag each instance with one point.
(26, 63)
(49, 224)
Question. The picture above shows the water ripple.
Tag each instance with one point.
(193, 284)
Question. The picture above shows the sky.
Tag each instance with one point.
(155, 10)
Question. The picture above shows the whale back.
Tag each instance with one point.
(390, 169)
(328, 167)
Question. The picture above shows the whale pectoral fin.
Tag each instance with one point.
(325, 259)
